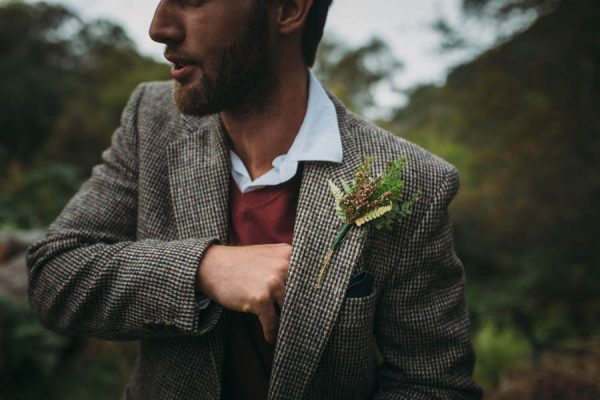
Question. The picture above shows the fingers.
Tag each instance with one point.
(269, 310)
(286, 272)
(270, 322)
(278, 284)
(255, 282)
(279, 297)
(283, 248)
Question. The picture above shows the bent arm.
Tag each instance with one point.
(90, 276)
(422, 327)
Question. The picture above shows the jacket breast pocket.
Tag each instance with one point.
(360, 285)
(357, 312)
(347, 366)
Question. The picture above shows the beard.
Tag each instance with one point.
(245, 77)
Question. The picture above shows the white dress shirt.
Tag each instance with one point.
(317, 140)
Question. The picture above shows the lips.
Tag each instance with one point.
(180, 72)
(182, 68)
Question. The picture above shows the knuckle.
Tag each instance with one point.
(285, 250)
(285, 271)
(247, 307)
(260, 299)
(273, 282)
(283, 267)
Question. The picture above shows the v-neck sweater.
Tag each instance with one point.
(263, 216)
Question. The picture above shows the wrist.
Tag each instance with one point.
(205, 265)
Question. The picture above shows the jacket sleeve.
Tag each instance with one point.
(89, 275)
(422, 326)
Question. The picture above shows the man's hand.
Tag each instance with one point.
(247, 279)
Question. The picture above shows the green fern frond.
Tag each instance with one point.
(346, 186)
(340, 213)
(335, 191)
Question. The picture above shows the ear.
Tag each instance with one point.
(291, 15)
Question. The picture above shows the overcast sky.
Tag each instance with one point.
(404, 24)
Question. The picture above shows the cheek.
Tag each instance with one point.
(217, 23)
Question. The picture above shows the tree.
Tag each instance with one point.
(32, 76)
(63, 84)
(354, 74)
(521, 123)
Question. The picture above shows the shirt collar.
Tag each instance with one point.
(317, 140)
(319, 136)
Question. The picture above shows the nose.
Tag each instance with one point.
(166, 26)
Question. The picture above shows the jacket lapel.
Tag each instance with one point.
(199, 174)
(309, 314)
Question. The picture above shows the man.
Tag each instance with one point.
(204, 229)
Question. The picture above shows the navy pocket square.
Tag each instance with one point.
(360, 285)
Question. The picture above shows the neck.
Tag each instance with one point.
(258, 138)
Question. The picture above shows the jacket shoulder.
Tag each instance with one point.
(423, 171)
(158, 119)
(156, 99)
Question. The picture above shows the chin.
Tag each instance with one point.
(190, 99)
(182, 97)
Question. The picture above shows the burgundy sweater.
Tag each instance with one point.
(262, 216)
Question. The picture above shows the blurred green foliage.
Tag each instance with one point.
(354, 74)
(499, 350)
(27, 348)
(34, 197)
(38, 364)
(63, 84)
(520, 122)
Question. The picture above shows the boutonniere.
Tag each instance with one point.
(368, 202)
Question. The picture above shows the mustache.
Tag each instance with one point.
(172, 53)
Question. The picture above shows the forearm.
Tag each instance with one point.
(121, 290)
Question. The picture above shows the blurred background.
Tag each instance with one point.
(506, 90)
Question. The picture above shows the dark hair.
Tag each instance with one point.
(313, 30)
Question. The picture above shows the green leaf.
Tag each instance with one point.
(335, 191)
(346, 187)
(340, 213)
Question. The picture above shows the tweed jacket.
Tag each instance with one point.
(119, 263)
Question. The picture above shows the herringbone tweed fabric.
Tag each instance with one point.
(119, 263)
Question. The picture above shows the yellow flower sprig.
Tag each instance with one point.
(368, 202)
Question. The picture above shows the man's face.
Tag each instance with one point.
(222, 54)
